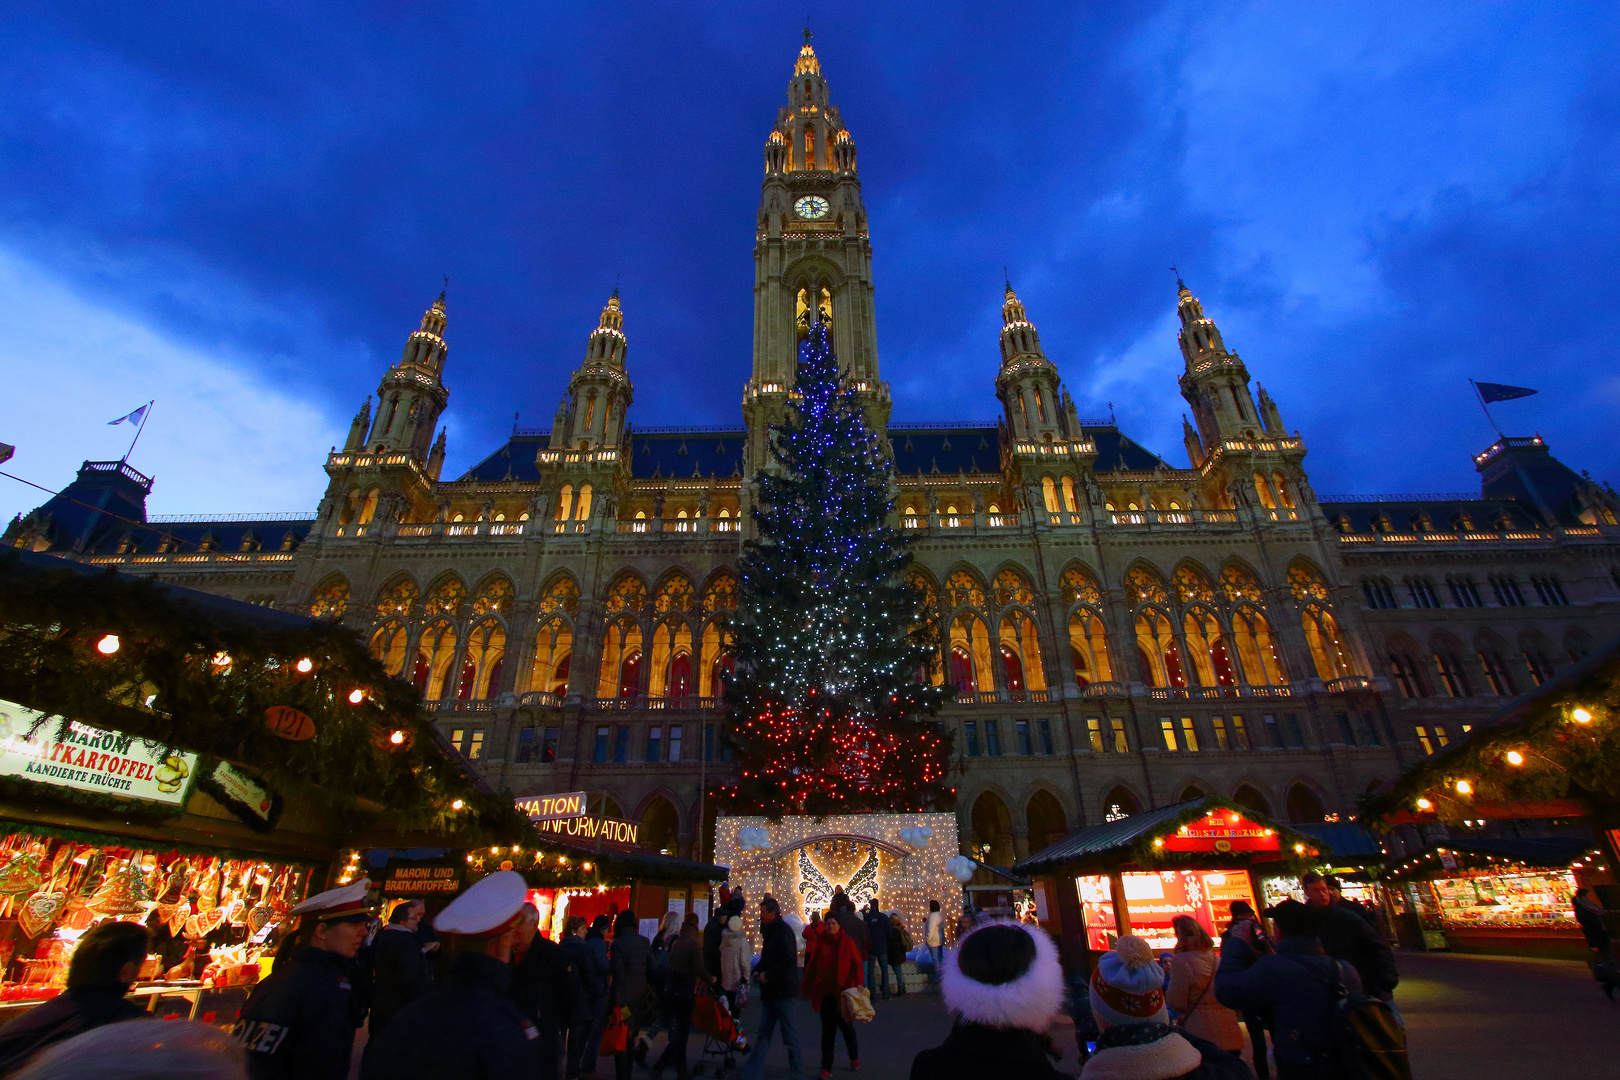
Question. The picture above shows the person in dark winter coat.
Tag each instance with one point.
(686, 970)
(103, 968)
(547, 990)
(1003, 986)
(297, 1024)
(843, 909)
(714, 935)
(400, 972)
(1135, 1040)
(578, 953)
(468, 1026)
(599, 975)
(1296, 986)
(1347, 934)
(878, 929)
(777, 977)
(627, 961)
(1589, 916)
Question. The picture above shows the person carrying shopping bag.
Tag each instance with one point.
(832, 964)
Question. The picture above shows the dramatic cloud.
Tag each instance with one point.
(1375, 202)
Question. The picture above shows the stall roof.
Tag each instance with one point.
(1352, 844)
(645, 865)
(1116, 839)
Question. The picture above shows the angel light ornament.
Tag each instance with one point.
(817, 891)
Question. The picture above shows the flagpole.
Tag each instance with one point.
(1482, 405)
(145, 416)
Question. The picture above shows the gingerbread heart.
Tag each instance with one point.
(38, 913)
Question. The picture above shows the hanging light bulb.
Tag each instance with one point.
(305, 665)
(356, 696)
(397, 737)
(1581, 716)
(1464, 788)
(108, 645)
(1515, 758)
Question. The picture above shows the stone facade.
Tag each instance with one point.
(1121, 630)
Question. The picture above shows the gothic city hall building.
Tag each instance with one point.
(1121, 630)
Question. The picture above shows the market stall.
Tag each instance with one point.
(189, 763)
(1502, 896)
(1134, 875)
(1357, 861)
(1535, 788)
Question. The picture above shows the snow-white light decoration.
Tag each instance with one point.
(961, 868)
(917, 836)
(753, 838)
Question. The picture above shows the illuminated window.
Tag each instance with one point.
(1167, 727)
(476, 749)
(1423, 739)
(1121, 744)
(1094, 733)
(1189, 737)
(1218, 725)
(1240, 735)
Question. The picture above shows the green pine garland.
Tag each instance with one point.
(163, 684)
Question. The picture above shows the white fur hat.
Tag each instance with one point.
(1029, 1001)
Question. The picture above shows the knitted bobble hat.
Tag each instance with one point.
(1127, 985)
(1004, 975)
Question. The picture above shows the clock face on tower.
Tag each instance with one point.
(811, 207)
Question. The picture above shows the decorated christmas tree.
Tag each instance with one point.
(830, 693)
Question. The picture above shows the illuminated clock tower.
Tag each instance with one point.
(812, 257)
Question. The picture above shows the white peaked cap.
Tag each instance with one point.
(345, 902)
(490, 903)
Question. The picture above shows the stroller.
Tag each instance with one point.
(722, 1036)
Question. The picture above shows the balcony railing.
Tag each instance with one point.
(638, 703)
(540, 697)
(1212, 693)
(1349, 684)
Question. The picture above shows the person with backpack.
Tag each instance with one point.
(1243, 912)
(1314, 1001)
(1347, 934)
(900, 946)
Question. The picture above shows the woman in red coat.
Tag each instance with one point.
(832, 964)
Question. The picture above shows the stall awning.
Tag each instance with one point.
(1352, 844)
(1132, 839)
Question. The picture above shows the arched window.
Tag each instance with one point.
(992, 830)
(1327, 647)
(715, 646)
(1283, 495)
(675, 593)
(1143, 585)
(388, 646)
(438, 646)
(1021, 654)
(1012, 587)
(494, 597)
(1079, 587)
(583, 511)
(1046, 821)
(1250, 799)
(1192, 585)
(672, 641)
(369, 507)
(1088, 646)
(1069, 503)
(1303, 805)
(965, 590)
(1157, 650)
(447, 598)
(553, 652)
(1263, 490)
(398, 600)
(331, 599)
(1207, 649)
(565, 502)
(1257, 652)
(628, 593)
(1049, 491)
(486, 647)
(562, 595)
(621, 660)
(1238, 584)
(1306, 583)
(970, 654)
(1119, 803)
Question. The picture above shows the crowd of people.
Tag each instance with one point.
(510, 1003)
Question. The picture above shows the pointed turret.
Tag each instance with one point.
(1269, 416)
(435, 462)
(1189, 438)
(412, 394)
(599, 392)
(1028, 383)
(1215, 384)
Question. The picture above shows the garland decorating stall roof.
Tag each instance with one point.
(299, 703)
(1554, 752)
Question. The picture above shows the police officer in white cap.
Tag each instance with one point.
(467, 1026)
(296, 1024)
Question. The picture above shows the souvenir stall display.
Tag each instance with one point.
(212, 917)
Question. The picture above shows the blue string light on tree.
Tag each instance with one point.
(829, 703)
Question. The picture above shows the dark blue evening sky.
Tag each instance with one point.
(242, 209)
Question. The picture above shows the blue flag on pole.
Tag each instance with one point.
(1495, 391)
(140, 414)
